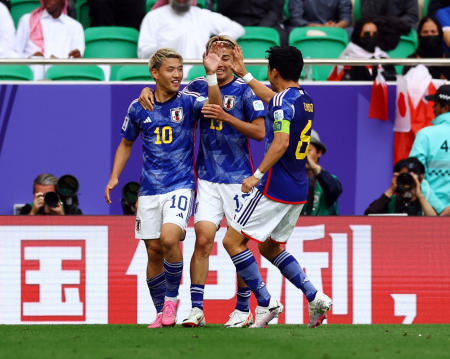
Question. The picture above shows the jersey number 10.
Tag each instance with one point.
(165, 134)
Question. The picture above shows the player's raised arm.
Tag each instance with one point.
(123, 153)
(261, 90)
(211, 62)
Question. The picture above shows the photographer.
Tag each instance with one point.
(53, 196)
(129, 199)
(405, 194)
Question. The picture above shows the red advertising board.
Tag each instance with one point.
(90, 269)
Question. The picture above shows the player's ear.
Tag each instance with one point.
(154, 72)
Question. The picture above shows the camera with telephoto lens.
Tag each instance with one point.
(405, 185)
(67, 189)
(51, 199)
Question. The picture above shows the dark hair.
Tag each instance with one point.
(288, 61)
(355, 38)
(412, 164)
(430, 18)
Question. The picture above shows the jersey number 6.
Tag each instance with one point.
(304, 139)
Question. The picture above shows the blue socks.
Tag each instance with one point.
(157, 288)
(247, 268)
(197, 291)
(291, 269)
(173, 273)
(243, 299)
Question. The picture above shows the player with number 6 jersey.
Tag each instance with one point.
(290, 111)
(278, 187)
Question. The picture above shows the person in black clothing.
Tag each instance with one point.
(324, 188)
(267, 13)
(365, 44)
(404, 195)
(435, 5)
(127, 13)
(406, 11)
(431, 46)
(53, 197)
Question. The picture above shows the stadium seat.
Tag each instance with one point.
(319, 42)
(15, 73)
(425, 7)
(21, 7)
(75, 73)
(201, 3)
(149, 4)
(133, 73)
(254, 43)
(196, 71)
(258, 39)
(111, 42)
(357, 10)
(407, 46)
(82, 10)
(287, 14)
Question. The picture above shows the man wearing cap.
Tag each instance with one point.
(432, 147)
(324, 188)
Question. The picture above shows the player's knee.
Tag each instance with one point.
(269, 249)
(168, 242)
(203, 246)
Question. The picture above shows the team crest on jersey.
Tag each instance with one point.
(176, 114)
(228, 102)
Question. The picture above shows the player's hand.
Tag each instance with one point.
(238, 62)
(211, 59)
(38, 203)
(147, 99)
(109, 187)
(215, 112)
(249, 183)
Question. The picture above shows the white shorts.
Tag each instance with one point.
(216, 200)
(261, 218)
(154, 211)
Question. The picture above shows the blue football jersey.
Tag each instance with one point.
(287, 181)
(224, 153)
(168, 142)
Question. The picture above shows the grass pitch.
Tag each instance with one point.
(278, 341)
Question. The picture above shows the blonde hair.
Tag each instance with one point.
(162, 55)
(227, 41)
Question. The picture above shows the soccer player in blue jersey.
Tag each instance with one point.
(278, 188)
(223, 161)
(167, 180)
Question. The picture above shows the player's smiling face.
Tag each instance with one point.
(168, 77)
(225, 71)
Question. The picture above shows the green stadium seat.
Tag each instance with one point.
(196, 71)
(82, 10)
(319, 42)
(75, 73)
(201, 3)
(111, 42)
(149, 4)
(133, 73)
(425, 7)
(407, 46)
(15, 73)
(21, 7)
(286, 12)
(357, 10)
(258, 39)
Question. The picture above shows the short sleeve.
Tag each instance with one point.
(130, 127)
(282, 115)
(253, 106)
